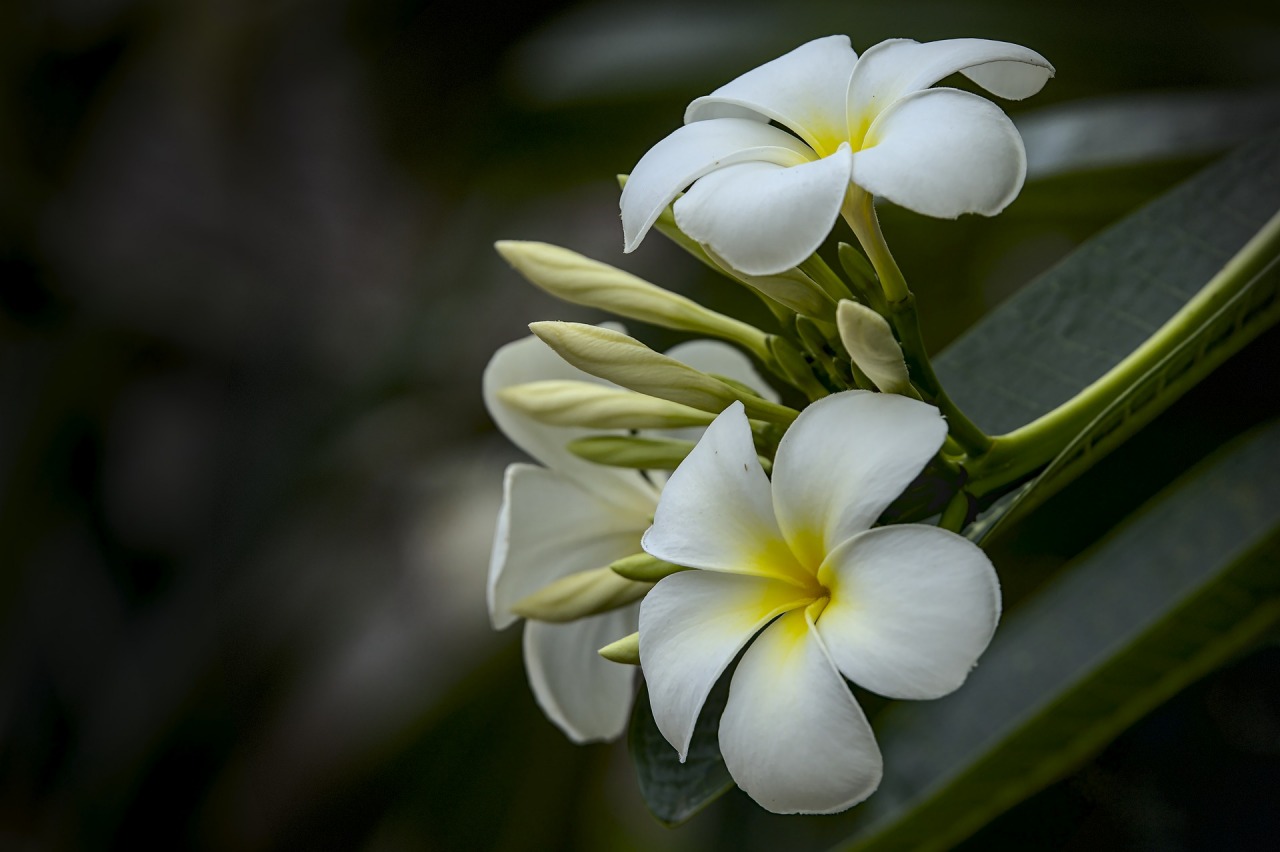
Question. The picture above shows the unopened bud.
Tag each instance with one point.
(644, 568)
(580, 595)
(583, 281)
(626, 361)
(871, 344)
(791, 288)
(631, 451)
(564, 402)
(626, 650)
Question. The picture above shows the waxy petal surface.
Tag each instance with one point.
(912, 607)
(844, 460)
(716, 511)
(792, 736)
(943, 152)
(803, 90)
(763, 218)
(691, 152)
(692, 625)
(550, 526)
(898, 67)
(585, 695)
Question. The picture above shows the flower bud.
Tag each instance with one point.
(580, 595)
(790, 288)
(583, 281)
(644, 568)
(627, 362)
(631, 451)
(626, 650)
(871, 344)
(563, 402)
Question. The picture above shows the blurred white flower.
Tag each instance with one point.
(904, 610)
(764, 199)
(565, 517)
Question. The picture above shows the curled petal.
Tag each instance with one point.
(692, 625)
(803, 90)
(716, 512)
(585, 695)
(943, 152)
(549, 527)
(792, 736)
(912, 607)
(762, 218)
(898, 67)
(842, 463)
(691, 152)
(530, 360)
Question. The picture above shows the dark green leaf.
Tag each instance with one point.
(1252, 309)
(1079, 319)
(673, 790)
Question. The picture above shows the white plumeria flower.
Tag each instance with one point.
(903, 610)
(764, 199)
(570, 515)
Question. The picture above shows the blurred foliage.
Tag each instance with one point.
(246, 482)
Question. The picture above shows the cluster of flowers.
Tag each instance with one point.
(680, 513)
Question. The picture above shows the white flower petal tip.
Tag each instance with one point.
(742, 202)
(792, 572)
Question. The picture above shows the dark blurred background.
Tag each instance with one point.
(247, 486)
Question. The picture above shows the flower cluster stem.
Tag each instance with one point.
(859, 212)
(1019, 453)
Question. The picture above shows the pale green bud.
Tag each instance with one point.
(796, 369)
(871, 344)
(563, 402)
(583, 281)
(790, 288)
(580, 595)
(644, 568)
(862, 275)
(631, 451)
(626, 361)
(626, 650)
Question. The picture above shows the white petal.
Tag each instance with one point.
(943, 152)
(549, 527)
(716, 512)
(898, 67)
(692, 625)
(763, 218)
(792, 736)
(844, 460)
(691, 152)
(531, 360)
(912, 607)
(803, 90)
(588, 697)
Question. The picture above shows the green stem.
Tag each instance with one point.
(859, 211)
(1019, 453)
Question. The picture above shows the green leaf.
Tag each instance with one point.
(675, 791)
(1078, 320)
(1254, 308)
(1186, 582)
